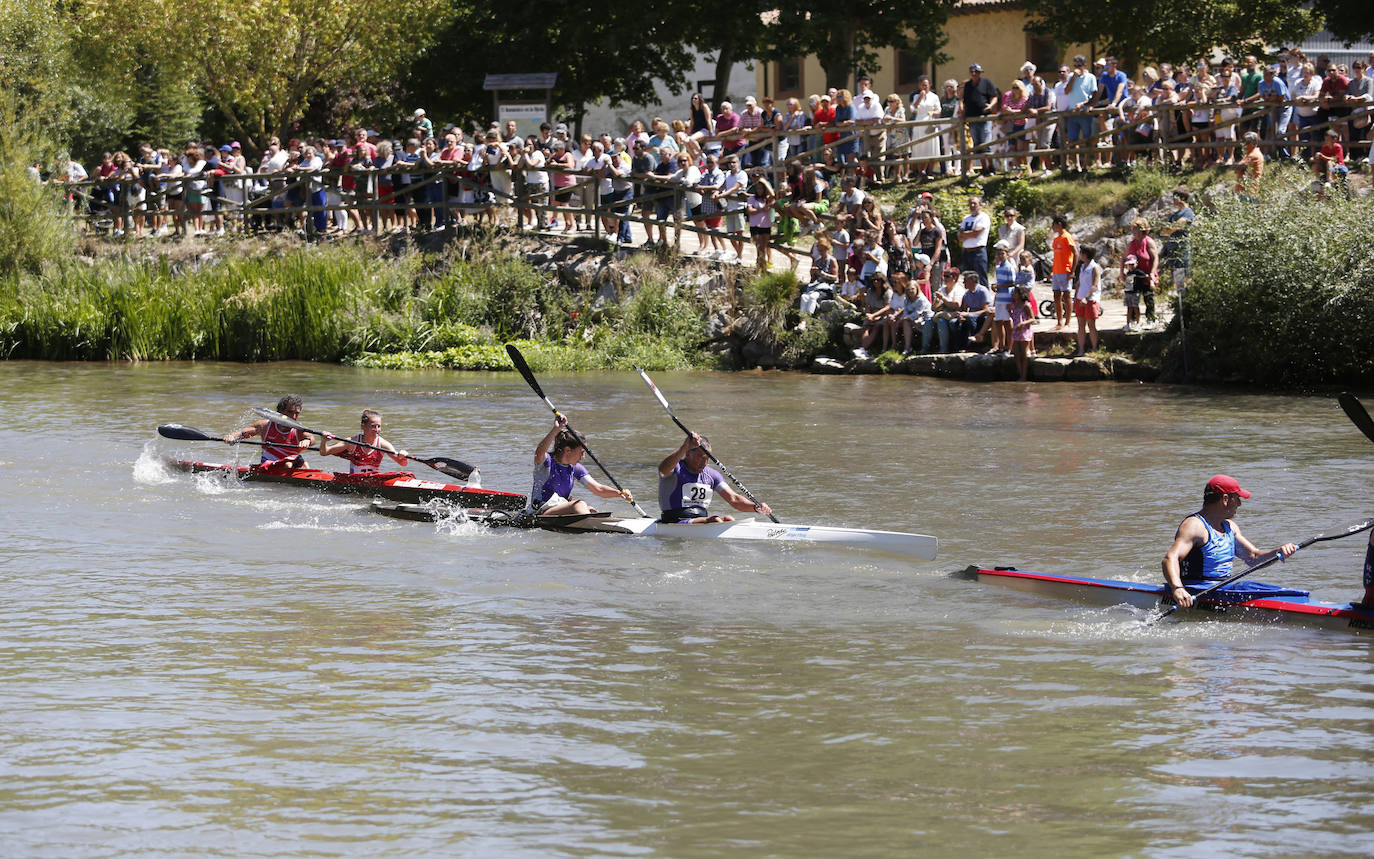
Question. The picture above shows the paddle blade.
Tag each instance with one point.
(657, 393)
(524, 369)
(452, 467)
(1347, 531)
(183, 433)
(1357, 413)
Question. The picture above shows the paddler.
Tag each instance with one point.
(686, 481)
(1208, 540)
(281, 445)
(556, 470)
(1369, 572)
(362, 460)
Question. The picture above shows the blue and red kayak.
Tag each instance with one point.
(1240, 600)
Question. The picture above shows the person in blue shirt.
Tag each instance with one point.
(1273, 94)
(556, 470)
(1208, 540)
(1113, 86)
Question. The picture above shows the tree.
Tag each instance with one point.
(613, 51)
(1348, 20)
(1174, 31)
(732, 30)
(262, 65)
(845, 35)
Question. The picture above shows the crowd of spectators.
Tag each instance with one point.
(795, 155)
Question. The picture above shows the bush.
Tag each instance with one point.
(1283, 290)
(34, 228)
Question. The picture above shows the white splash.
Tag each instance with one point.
(151, 468)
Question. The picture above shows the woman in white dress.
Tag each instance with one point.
(925, 106)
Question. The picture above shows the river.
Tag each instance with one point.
(190, 666)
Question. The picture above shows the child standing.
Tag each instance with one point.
(1021, 335)
(1087, 302)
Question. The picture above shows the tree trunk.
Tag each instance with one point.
(725, 60)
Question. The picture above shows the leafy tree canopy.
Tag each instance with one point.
(1174, 31)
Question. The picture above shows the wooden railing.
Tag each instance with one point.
(435, 194)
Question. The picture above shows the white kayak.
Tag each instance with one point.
(889, 542)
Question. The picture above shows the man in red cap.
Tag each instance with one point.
(1208, 540)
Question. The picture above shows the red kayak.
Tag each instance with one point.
(1243, 601)
(392, 485)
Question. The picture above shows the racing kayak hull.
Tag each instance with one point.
(1247, 601)
(394, 485)
(887, 542)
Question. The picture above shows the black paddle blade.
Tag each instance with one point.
(524, 369)
(452, 467)
(183, 433)
(1355, 410)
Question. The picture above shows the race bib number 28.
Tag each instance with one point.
(696, 494)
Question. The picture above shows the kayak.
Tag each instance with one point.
(395, 485)
(434, 511)
(889, 542)
(1240, 600)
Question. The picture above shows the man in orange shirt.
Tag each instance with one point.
(1249, 169)
(1065, 249)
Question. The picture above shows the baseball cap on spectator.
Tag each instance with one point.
(825, 97)
(922, 259)
(419, 112)
(1028, 66)
(868, 95)
(1100, 61)
(749, 99)
(235, 145)
(926, 195)
(974, 67)
(1002, 245)
(561, 129)
(226, 148)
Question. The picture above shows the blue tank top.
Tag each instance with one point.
(1211, 560)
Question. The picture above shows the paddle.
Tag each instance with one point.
(452, 467)
(1347, 531)
(733, 479)
(519, 361)
(1355, 410)
(185, 433)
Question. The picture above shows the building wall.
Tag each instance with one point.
(600, 117)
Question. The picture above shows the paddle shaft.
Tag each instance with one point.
(663, 401)
(524, 369)
(453, 467)
(185, 433)
(1348, 531)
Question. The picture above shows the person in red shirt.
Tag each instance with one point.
(1330, 159)
(825, 115)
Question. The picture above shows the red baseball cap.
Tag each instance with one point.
(1224, 485)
